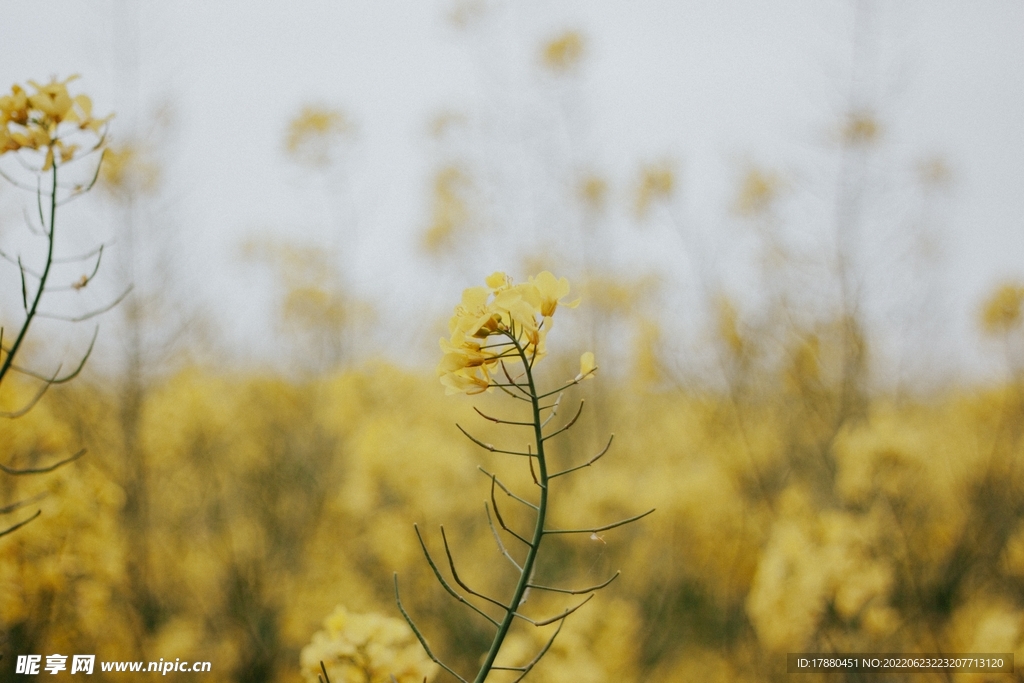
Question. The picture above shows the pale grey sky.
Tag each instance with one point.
(711, 86)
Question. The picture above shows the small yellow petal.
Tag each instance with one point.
(496, 279)
(587, 367)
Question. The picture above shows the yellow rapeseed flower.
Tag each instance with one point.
(564, 52)
(593, 190)
(313, 132)
(657, 182)
(587, 366)
(366, 648)
(758, 191)
(43, 121)
(1003, 310)
(861, 128)
(521, 313)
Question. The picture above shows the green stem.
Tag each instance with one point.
(538, 530)
(31, 312)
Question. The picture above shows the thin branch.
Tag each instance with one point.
(568, 425)
(90, 314)
(445, 584)
(499, 420)
(81, 257)
(24, 287)
(544, 651)
(455, 575)
(580, 591)
(497, 539)
(80, 190)
(514, 383)
(600, 528)
(17, 526)
(16, 183)
(497, 514)
(47, 383)
(7, 509)
(41, 470)
(515, 396)
(554, 411)
(66, 378)
(17, 261)
(497, 345)
(27, 217)
(535, 479)
(561, 388)
(559, 617)
(495, 480)
(419, 636)
(85, 279)
(39, 207)
(325, 678)
(489, 447)
(587, 463)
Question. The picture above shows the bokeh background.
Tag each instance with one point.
(797, 233)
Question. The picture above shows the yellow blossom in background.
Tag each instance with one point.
(126, 169)
(728, 325)
(564, 52)
(503, 310)
(758, 191)
(1002, 311)
(450, 214)
(465, 12)
(44, 121)
(366, 648)
(657, 182)
(861, 128)
(444, 122)
(313, 132)
(593, 190)
(934, 172)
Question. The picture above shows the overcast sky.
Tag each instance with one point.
(712, 87)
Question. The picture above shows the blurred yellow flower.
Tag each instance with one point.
(127, 169)
(758, 191)
(313, 132)
(451, 212)
(366, 648)
(657, 182)
(1002, 312)
(861, 128)
(43, 121)
(593, 190)
(934, 172)
(564, 52)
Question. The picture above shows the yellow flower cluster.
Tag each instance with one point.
(43, 120)
(564, 52)
(657, 181)
(1002, 311)
(366, 648)
(312, 133)
(504, 309)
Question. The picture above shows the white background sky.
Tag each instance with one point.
(711, 86)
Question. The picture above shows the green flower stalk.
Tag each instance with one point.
(498, 335)
(46, 129)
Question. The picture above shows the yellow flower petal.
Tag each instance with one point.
(496, 280)
(587, 367)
